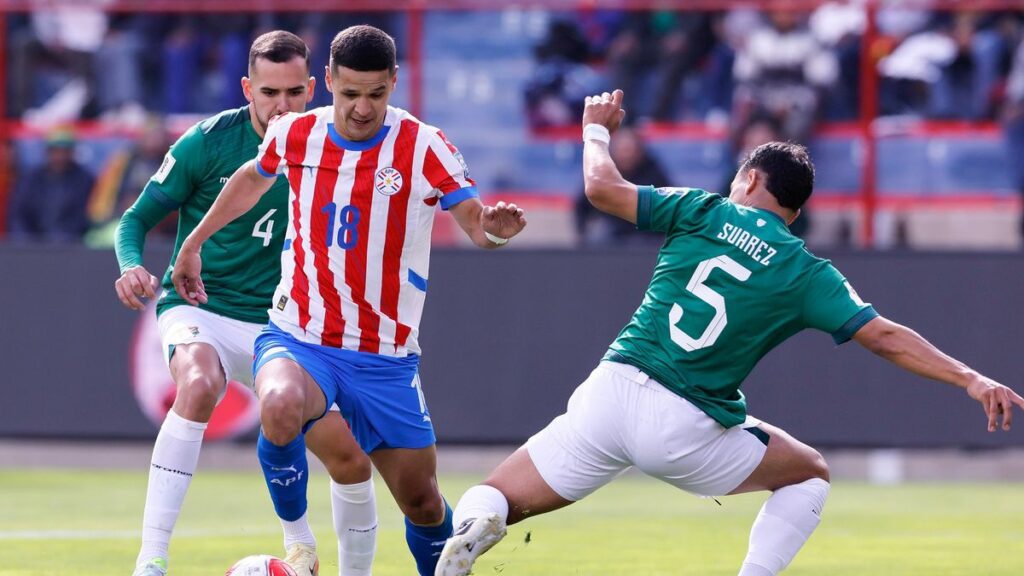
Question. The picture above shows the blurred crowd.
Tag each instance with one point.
(83, 63)
(799, 67)
(777, 73)
(756, 73)
(129, 71)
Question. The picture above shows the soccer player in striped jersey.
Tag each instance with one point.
(209, 345)
(730, 284)
(365, 179)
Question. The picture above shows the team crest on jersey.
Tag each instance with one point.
(388, 181)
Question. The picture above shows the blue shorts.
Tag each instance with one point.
(379, 396)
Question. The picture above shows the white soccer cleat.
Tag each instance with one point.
(473, 537)
(302, 558)
(153, 567)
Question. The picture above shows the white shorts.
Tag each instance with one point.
(620, 417)
(232, 339)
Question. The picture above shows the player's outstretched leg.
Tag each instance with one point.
(512, 492)
(798, 477)
(481, 515)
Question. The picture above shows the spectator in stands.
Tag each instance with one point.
(732, 29)
(120, 96)
(839, 26)
(967, 87)
(561, 79)
(637, 164)
(123, 177)
(1013, 118)
(952, 68)
(49, 203)
(784, 72)
(670, 44)
(51, 62)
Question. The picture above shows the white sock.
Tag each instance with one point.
(175, 456)
(480, 501)
(355, 522)
(785, 522)
(298, 531)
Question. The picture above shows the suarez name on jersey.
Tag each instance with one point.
(354, 267)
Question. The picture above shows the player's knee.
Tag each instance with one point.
(348, 467)
(817, 467)
(199, 392)
(281, 415)
(423, 508)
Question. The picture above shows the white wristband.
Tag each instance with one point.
(596, 132)
(495, 239)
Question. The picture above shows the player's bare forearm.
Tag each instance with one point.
(604, 185)
(907, 349)
(242, 191)
(910, 351)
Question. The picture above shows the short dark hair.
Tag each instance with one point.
(363, 48)
(278, 46)
(789, 171)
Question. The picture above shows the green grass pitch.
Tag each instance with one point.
(86, 523)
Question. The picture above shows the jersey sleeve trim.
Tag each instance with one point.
(161, 198)
(643, 207)
(263, 172)
(461, 195)
(846, 332)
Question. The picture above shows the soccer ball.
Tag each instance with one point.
(260, 565)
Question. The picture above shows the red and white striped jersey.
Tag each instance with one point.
(357, 250)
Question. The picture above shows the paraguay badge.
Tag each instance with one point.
(387, 181)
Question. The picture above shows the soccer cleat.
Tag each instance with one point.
(302, 558)
(473, 537)
(153, 567)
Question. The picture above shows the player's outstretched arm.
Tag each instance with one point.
(488, 226)
(603, 184)
(910, 351)
(242, 191)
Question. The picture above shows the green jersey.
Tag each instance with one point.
(730, 284)
(242, 261)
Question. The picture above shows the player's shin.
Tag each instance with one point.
(287, 472)
(782, 527)
(355, 522)
(480, 501)
(425, 542)
(174, 461)
(480, 524)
